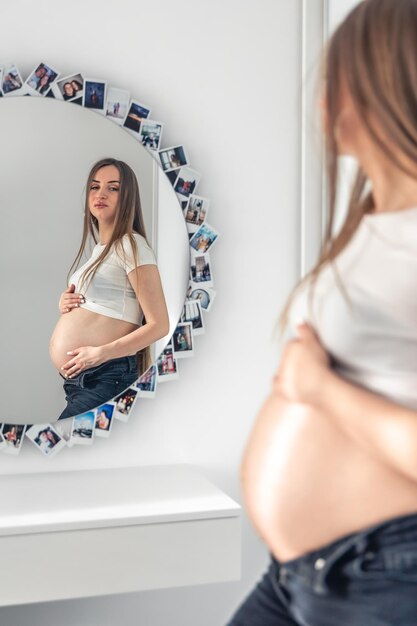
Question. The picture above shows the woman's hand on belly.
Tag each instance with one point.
(82, 359)
(70, 300)
(303, 366)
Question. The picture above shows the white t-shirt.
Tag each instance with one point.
(110, 292)
(374, 344)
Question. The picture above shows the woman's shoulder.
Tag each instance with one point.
(145, 252)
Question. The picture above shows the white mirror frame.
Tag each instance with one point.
(313, 203)
(198, 297)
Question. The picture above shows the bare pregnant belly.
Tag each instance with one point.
(81, 327)
(306, 484)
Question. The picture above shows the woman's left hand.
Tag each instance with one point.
(82, 359)
(304, 363)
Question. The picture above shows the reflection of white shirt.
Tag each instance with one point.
(374, 344)
(110, 292)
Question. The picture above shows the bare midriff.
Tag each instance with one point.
(306, 484)
(81, 327)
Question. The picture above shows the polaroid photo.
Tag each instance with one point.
(204, 295)
(200, 270)
(46, 438)
(182, 340)
(2, 439)
(124, 403)
(192, 312)
(104, 419)
(11, 80)
(117, 104)
(167, 364)
(13, 437)
(64, 429)
(1, 82)
(172, 177)
(173, 158)
(68, 88)
(83, 428)
(150, 134)
(147, 383)
(203, 238)
(187, 181)
(196, 212)
(94, 95)
(41, 79)
(136, 113)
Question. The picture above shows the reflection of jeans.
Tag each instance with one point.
(98, 385)
(367, 578)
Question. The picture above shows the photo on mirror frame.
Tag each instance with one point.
(116, 104)
(200, 270)
(173, 158)
(150, 134)
(41, 79)
(83, 428)
(191, 312)
(172, 177)
(124, 403)
(196, 212)
(137, 112)
(46, 438)
(64, 429)
(68, 88)
(104, 419)
(167, 364)
(11, 81)
(1, 82)
(94, 95)
(187, 181)
(13, 436)
(203, 238)
(147, 383)
(204, 295)
(182, 340)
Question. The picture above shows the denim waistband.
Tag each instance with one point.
(314, 567)
(129, 364)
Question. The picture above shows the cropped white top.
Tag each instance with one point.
(110, 292)
(373, 343)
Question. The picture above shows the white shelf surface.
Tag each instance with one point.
(93, 532)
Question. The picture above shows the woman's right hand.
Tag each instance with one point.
(70, 300)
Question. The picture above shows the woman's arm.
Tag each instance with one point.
(148, 289)
(384, 428)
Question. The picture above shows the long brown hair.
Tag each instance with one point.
(129, 219)
(375, 51)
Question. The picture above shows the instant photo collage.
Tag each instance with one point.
(134, 117)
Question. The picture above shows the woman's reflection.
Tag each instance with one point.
(114, 307)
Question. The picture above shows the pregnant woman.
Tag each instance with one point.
(329, 474)
(114, 307)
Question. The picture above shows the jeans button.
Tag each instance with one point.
(319, 563)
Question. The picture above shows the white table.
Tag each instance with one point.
(93, 532)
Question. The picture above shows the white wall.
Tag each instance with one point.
(224, 77)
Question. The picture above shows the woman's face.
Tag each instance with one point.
(103, 195)
(68, 89)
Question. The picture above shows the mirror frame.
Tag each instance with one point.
(166, 366)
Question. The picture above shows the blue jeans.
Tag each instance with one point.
(367, 578)
(98, 385)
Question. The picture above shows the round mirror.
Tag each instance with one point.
(49, 147)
